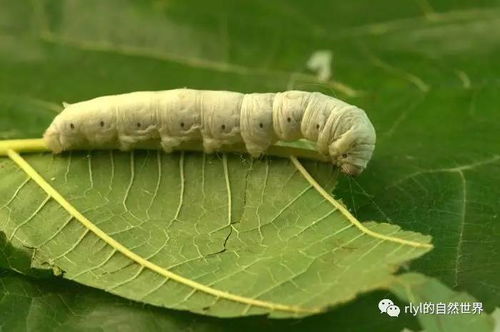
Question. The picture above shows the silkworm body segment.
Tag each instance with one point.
(217, 118)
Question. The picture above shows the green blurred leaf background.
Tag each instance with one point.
(427, 73)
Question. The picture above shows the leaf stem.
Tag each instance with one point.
(23, 145)
(300, 149)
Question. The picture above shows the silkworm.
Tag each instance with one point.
(341, 131)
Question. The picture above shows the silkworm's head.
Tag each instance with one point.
(353, 148)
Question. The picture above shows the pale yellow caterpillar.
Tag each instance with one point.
(217, 118)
